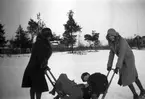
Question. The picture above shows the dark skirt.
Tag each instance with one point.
(120, 81)
(35, 79)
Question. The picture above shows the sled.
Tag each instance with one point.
(59, 94)
(142, 96)
(103, 97)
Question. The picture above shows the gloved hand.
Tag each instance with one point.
(44, 63)
(109, 68)
(46, 68)
(116, 70)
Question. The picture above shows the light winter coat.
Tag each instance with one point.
(125, 62)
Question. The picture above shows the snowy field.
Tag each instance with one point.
(12, 69)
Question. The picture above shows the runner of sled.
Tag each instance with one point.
(71, 90)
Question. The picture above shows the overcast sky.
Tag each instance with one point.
(126, 16)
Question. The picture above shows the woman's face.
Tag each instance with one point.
(49, 38)
(112, 37)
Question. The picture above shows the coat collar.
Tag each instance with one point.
(44, 41)
(115, 46)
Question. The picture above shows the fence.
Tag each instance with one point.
(14, 50)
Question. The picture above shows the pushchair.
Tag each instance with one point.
(62, 95)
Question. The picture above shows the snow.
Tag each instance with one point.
(12, 69)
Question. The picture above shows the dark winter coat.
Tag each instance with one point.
(125, 61)
(98, 83)
(34, 73)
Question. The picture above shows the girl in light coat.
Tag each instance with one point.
(125, 63)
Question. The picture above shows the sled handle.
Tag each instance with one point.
(49, 78)
(52, 75)
(103, 97)
(109, 72)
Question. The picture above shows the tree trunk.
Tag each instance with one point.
(72, 47)
(72, 43)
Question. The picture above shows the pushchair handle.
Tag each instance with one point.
(103, 97)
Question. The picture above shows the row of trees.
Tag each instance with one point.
(24, 38)
(137, 41)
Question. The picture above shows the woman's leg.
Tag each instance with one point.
(32, 94)
(38, 95)
(138, 83)
(135, 95)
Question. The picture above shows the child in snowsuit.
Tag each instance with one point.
(97, 84)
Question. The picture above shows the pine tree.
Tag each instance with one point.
(71, 27)
(2, 36)
(21, 39)
(35, 27)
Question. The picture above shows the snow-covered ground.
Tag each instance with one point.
(12, 69)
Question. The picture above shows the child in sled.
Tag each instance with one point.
(67, 89)
(65, 86)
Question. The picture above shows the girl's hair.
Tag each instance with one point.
(83, 75)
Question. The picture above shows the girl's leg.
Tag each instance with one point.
(135, 95)
(38, 95)
(138, 83)
(32, 94)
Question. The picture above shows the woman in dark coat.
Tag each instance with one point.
(125, 62)
(34, 75)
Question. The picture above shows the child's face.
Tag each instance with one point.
(86, 78)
